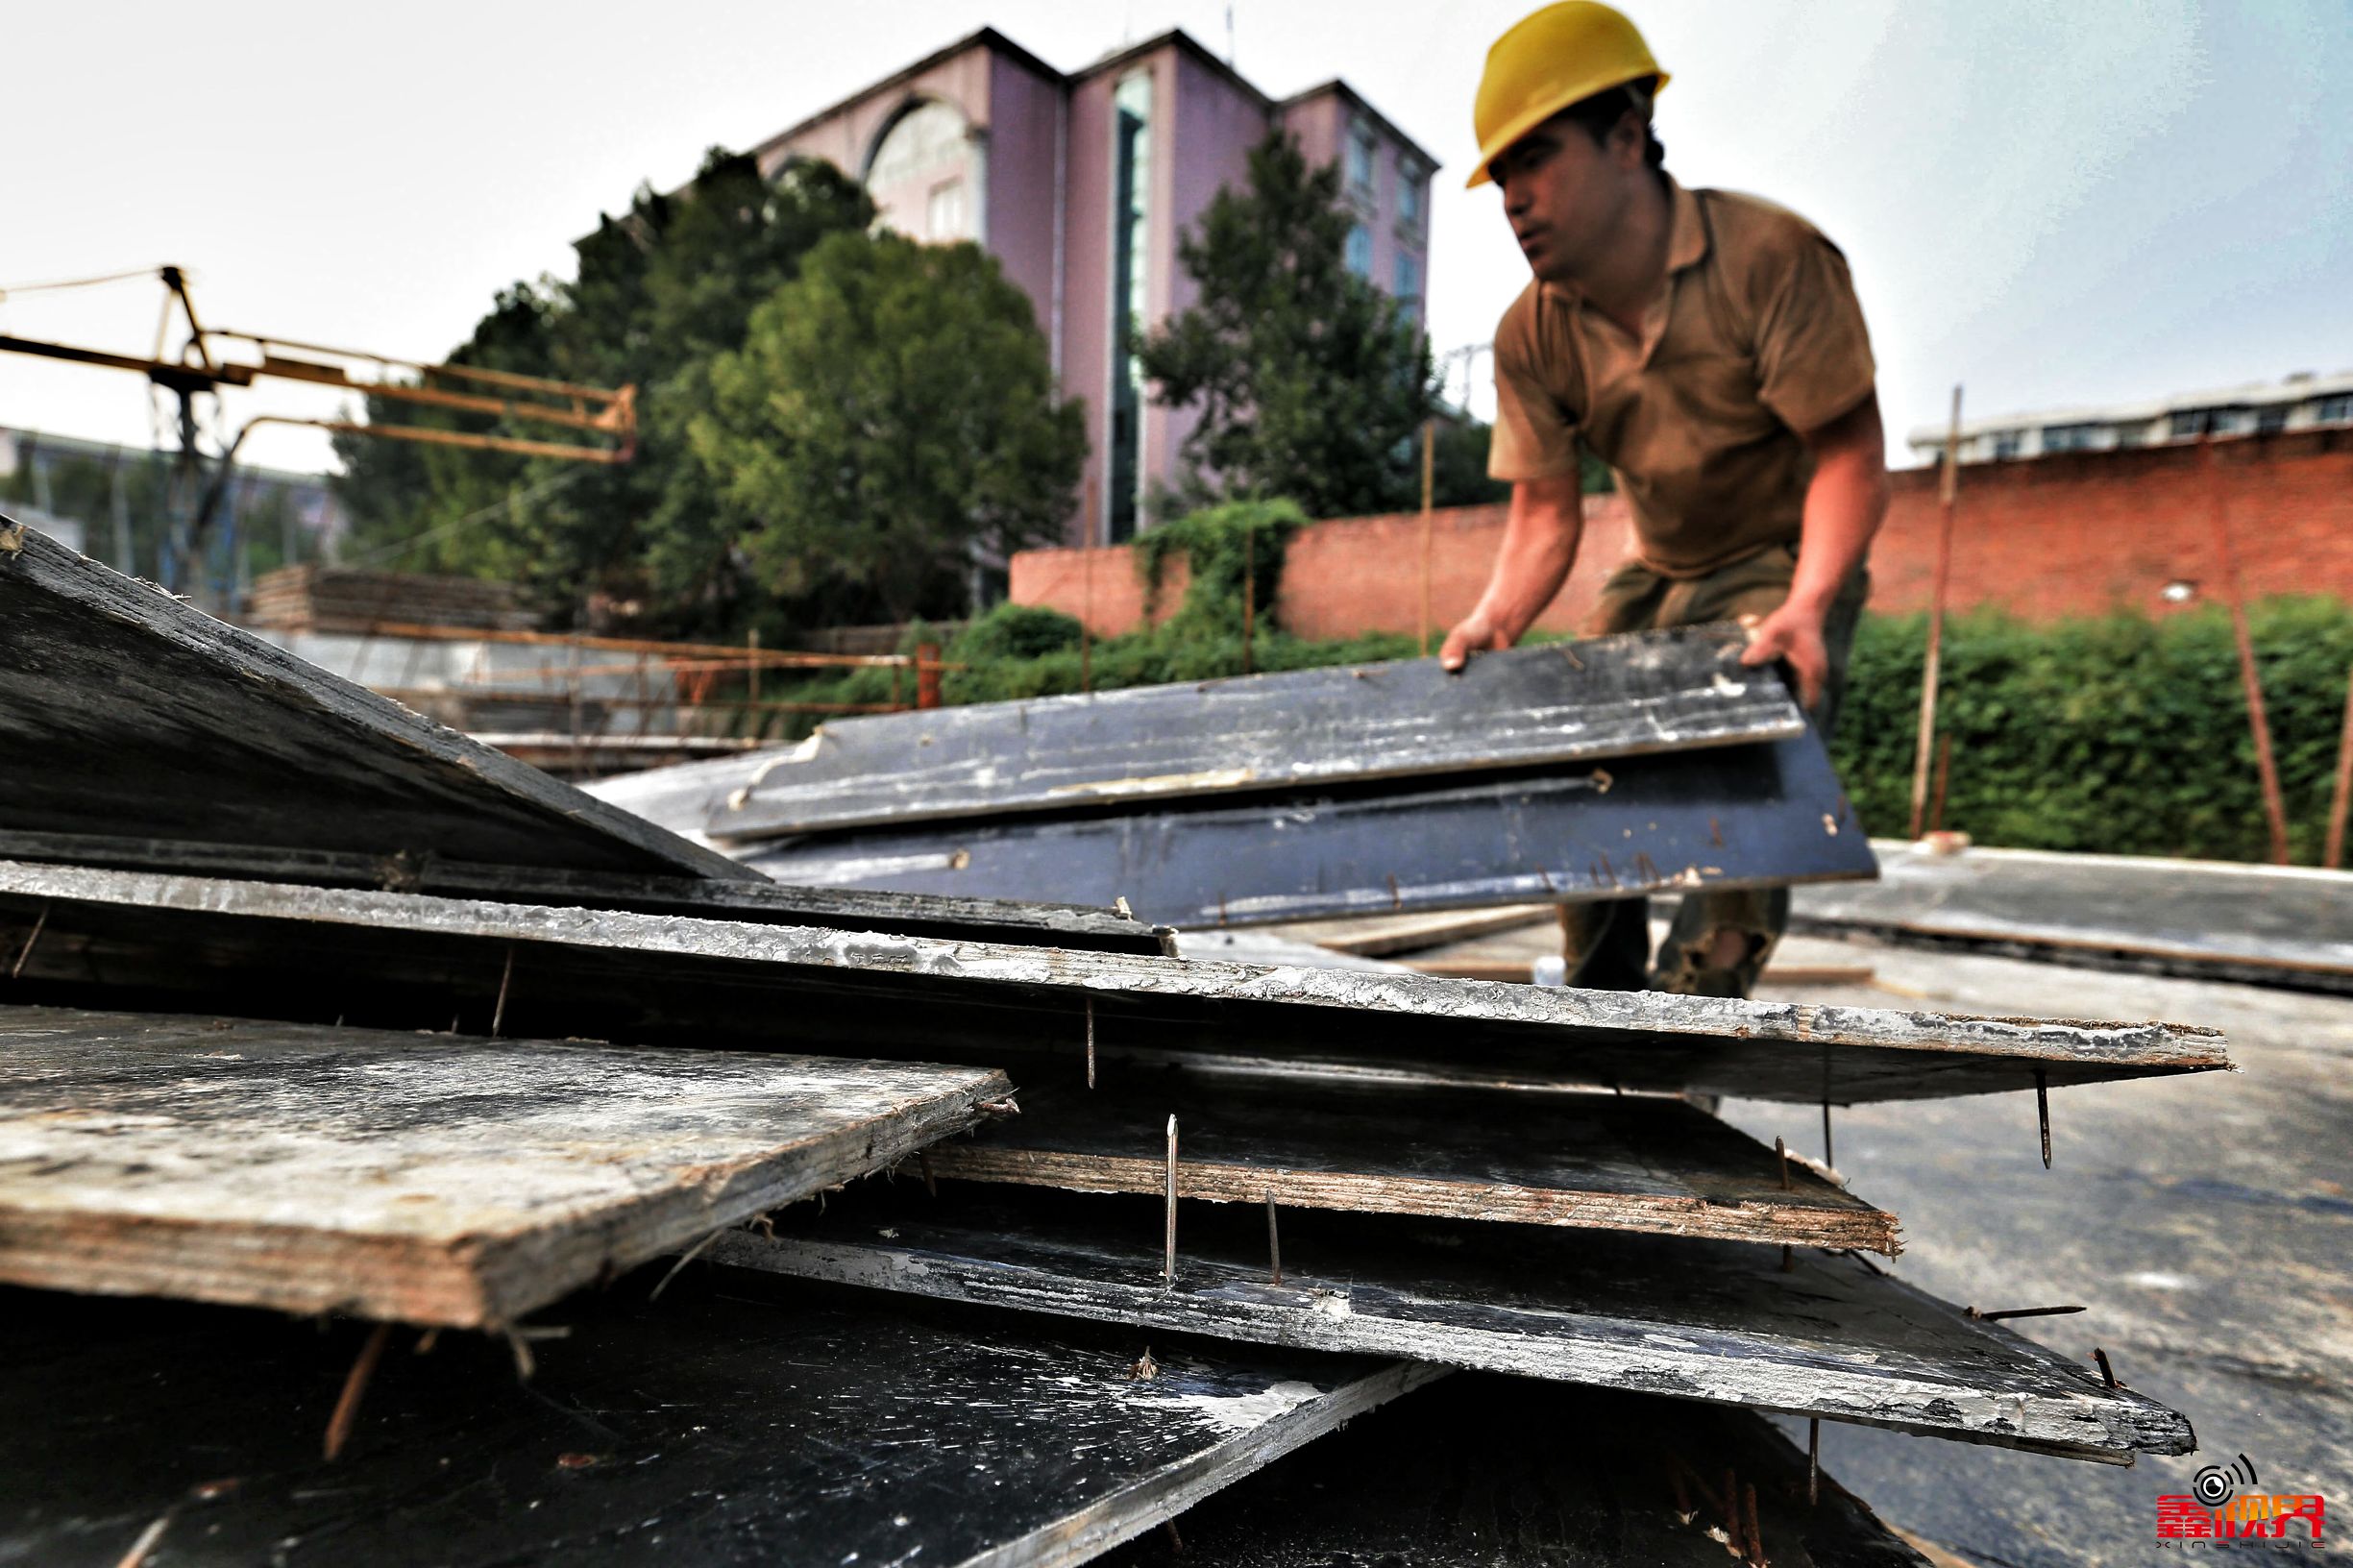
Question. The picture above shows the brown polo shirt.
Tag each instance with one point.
(1756, 336)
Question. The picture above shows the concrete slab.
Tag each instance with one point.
(2207, 1227)
(2279, 925)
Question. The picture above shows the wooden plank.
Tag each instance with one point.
(1610, 696)
(1720, 1322)
(847, 909)
(335, 951)
(1385, 937)
(1728, 817)
(430, 1180)
(2265, 925)
(1580, 1159)
(806, 1427)
(152, 719)
(1486, 1472)
(1520, 969)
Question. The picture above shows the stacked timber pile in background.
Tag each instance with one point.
(340, 599)
(316, 1007)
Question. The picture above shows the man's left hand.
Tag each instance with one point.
(1791, 633)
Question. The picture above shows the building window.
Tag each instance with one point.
(1360, 255)
(2336, 411)
(2272, 418)
(1363, 151)
(924, 148)
(1412, 179)
(2006, 443)
(2069, 437)
(1408, 278)
(1130, 295)
(944, 216)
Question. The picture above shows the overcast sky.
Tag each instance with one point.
(2055, 202)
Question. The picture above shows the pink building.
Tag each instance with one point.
(1080, 183)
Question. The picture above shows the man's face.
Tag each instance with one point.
(1565, 195)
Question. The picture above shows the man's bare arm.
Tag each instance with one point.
(1539, 546)
(1844, 508)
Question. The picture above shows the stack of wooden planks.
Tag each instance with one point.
(1604, 769)
(752, 1222)
(342, 599)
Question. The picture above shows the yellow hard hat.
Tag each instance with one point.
(1547, 61)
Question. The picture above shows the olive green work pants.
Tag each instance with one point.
(1608, 945)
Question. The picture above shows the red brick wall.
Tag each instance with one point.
(2083, 533)
(2076, 534)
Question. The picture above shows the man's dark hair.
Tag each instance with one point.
(1600, 114)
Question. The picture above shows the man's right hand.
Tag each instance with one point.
(1476, 634)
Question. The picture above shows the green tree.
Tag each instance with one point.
(889, 411)
(1311, 383)
(657, 292)
(1459, 474)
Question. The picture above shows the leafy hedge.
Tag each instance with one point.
(1018, 650)
(2120, 735)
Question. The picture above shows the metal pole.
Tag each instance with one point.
(2334, 856)
(1250, 586)
(1085, 602)
(2266, 770)
(1428, 441)
(1936, 617)
(927, 674)
(1944, 774)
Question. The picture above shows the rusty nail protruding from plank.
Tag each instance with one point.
(2107, 1373)
(1169, 1246)
(1757, 1536)
(1828, 1158)
(1732, 1511)
(498, 1013)
(2041, 1110)
(922, 1162)
(39, 925)
(2019, 1312)
(687, 1257)
(1782, 1152)
(1789, 1259)
(1090, 1042)
(1813, 1461)
(1274, 1238)
(355, 1384)
(1176, 1542)
(148, 1538)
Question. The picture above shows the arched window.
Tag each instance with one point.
(921, 173)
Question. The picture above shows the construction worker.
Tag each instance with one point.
(1709, 349)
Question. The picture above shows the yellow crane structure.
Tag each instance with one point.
(609, 412)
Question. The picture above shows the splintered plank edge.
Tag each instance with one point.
(424, 1179)
(2069, 1050)
(1796, 1223)
(1829, 1337)
(1579, 1159)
